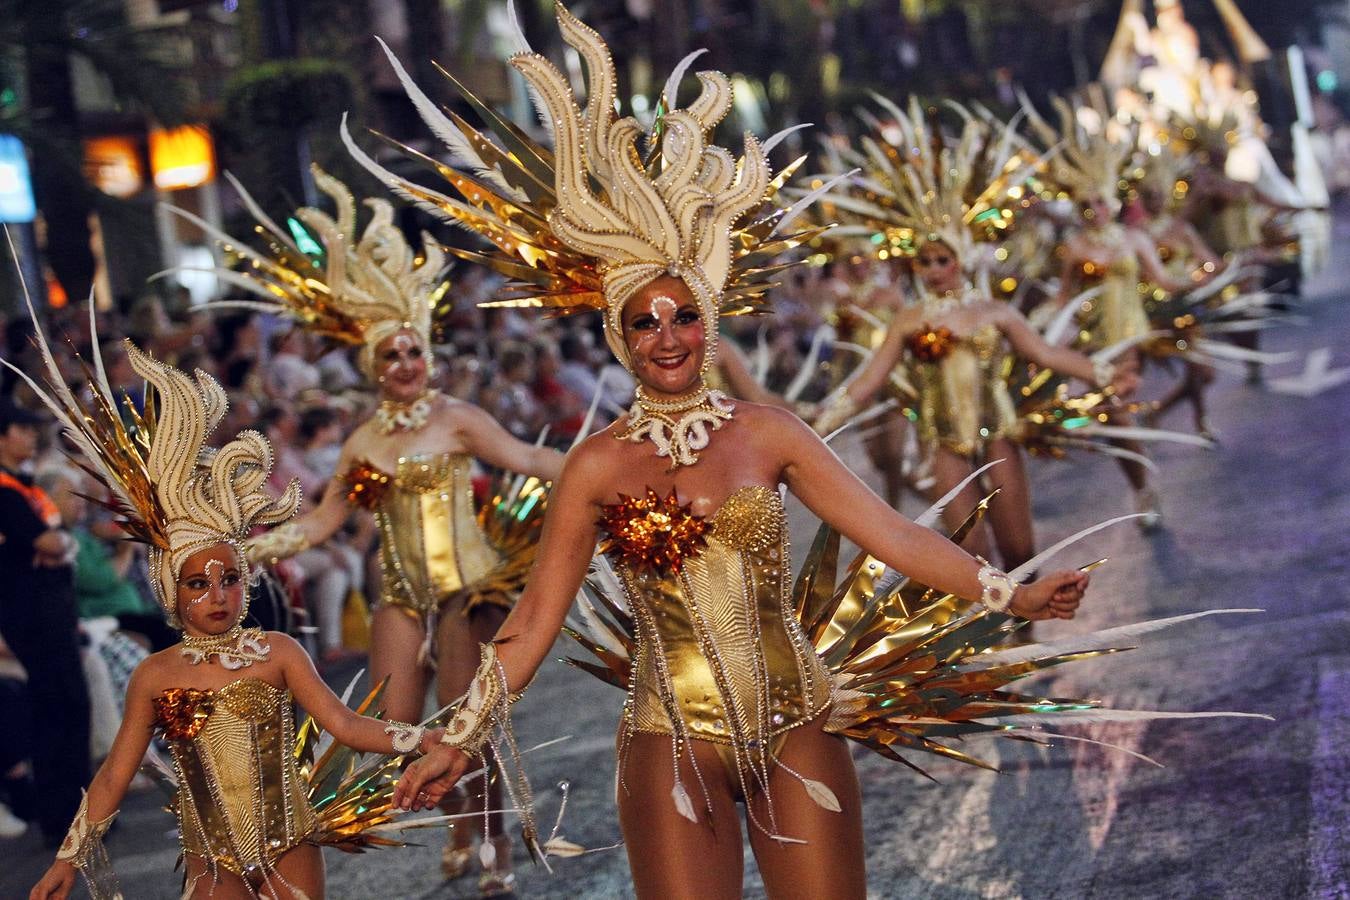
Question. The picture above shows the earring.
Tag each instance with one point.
(380, 379)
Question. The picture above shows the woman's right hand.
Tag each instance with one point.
(56, 884)
(1055, 596)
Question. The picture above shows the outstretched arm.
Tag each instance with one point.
(878, 368)
(486, 439)
(349, 728)
(109, 785)
(1152, 265)
(1031, 346)
(820, 480)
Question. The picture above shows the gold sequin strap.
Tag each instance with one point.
(83, 848)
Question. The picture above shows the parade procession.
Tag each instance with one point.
(782, 449)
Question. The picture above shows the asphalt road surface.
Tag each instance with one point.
(1242, 808)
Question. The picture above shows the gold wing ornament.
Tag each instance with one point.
(354, 286)
(919, 182)
(916, 672)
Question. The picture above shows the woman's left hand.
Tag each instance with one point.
(430, 778)
(1056, 596)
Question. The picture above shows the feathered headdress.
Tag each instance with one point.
(591, 222)
(919, 185)
(1094, 147)
(354, 289)
(170, 490)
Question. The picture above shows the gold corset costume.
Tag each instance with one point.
(963, 392)
(241, 801)
(720, 655)
(431, 546)
(1118, 313)
(1233, 228)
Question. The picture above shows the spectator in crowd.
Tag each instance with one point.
(321, 436)
(103, 586)
(38, 622)
(289, 371)
(508, 397)
(561, 409)
(282, 428)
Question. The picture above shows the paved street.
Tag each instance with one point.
(1243, 808)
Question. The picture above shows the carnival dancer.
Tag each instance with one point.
(1105, 257)
(1184, 252)
(446, 584)
(956, 343)
(221, 697)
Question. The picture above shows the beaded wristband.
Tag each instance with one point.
(1103, 373)
(406, 738)
(998, 588)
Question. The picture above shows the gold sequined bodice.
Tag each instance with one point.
(1117, 313)
(430, 543)
(720, 655)
(241, 801)
(962, 382)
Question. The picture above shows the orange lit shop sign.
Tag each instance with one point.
(113, 165)
(181, 157)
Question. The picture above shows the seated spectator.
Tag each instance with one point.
(102, 568)
(321, 435)
(289, 371)
(563, 410)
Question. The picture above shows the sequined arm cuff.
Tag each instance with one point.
(405, 738)
(1103, 373)
(83, 848)
(998, 589)
(484, 708)
(277, 544)
(836, 413)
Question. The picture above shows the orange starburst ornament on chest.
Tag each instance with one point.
(652, 533)
(366, 485)
(930, 344)
(182, 712)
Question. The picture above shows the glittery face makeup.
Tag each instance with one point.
(211, 590)
(664, 332)
(401, 367)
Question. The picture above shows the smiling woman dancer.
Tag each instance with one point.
(446, 587)
(222, 697)
(728, 701)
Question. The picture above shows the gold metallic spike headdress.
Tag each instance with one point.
(1094, 146)
(354, 289)
(170, 490)
(918, 185)
(588, 224)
